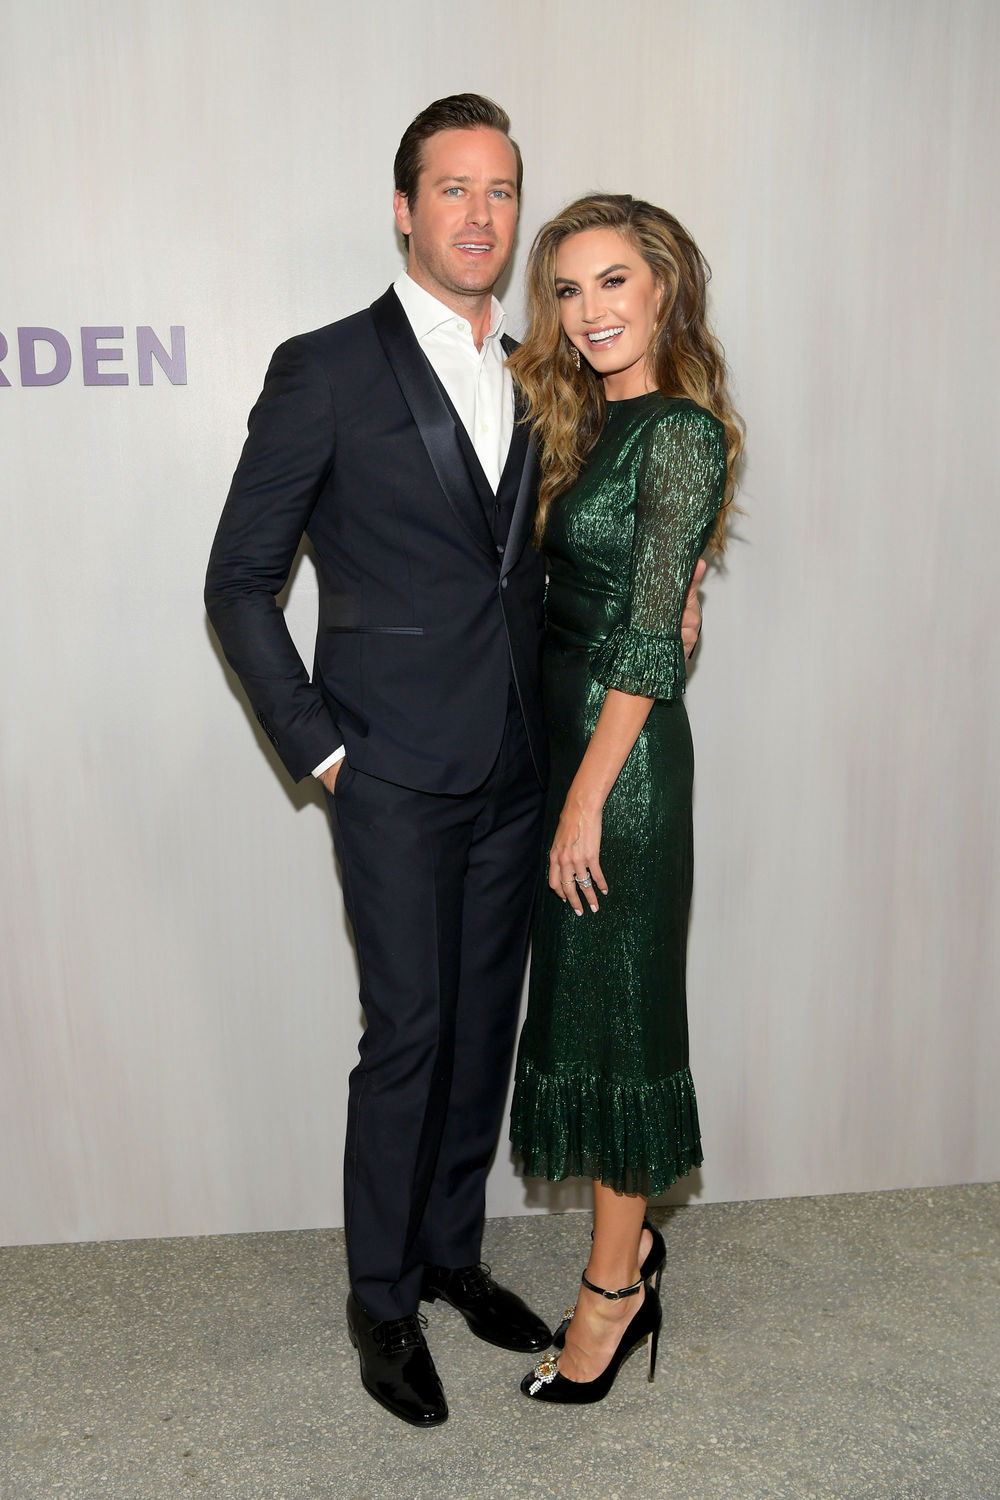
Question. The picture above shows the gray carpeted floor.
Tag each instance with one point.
(815, 1349)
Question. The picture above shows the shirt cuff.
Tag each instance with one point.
(331, 760)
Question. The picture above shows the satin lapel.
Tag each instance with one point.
(523, 518)
(510, 479)
(430, 413)
(521, 460)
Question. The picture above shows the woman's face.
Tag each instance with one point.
(608, 301)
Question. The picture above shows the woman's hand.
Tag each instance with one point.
(575, 857)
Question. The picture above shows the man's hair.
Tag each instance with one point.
(457, 112)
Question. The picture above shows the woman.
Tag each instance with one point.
(626, 393)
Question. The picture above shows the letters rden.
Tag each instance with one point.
(44, 356)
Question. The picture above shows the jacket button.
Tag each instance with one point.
(503, 583)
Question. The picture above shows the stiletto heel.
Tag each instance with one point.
(651, 1268)
(544, 1382)
(654, 1262)
(654, 1339)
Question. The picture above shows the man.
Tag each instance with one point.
(390, 438)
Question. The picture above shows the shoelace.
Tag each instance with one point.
(472, 1281)
(396, 1335)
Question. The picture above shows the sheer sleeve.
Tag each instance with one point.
(681, 481)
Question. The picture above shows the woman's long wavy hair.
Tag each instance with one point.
(565, 405)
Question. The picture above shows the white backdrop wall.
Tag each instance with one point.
(179, 1007)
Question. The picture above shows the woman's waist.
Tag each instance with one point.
(580, 618)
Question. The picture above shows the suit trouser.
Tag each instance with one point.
(439, 891)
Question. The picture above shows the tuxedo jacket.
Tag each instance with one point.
(425, 618)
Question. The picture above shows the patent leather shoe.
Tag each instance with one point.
(396, 1366)
(491, 1311)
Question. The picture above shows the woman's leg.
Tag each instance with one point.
(615, 1257)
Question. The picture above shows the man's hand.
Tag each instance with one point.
(329, 776)
(691, 618)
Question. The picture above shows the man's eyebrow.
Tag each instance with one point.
(458, 177)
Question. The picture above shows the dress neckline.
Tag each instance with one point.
(630, 400)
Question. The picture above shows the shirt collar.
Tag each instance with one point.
(425, 312)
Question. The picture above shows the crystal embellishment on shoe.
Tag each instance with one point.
(545, 1371)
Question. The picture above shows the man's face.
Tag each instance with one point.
(462, 224)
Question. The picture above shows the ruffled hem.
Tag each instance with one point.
(634, 1137)
(647, 662)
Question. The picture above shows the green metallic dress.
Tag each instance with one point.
(602, 1087)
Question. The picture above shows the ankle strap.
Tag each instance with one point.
(625, 1291)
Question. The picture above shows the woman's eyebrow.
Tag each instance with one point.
(566, 280)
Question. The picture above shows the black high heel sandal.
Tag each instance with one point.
(544, 1382)
(652, 1267)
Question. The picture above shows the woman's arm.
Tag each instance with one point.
(678, 494)
(576, 847)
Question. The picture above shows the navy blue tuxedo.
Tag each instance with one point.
(421, 614)
(427, 669)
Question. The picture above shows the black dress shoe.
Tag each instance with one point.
(493, 1313)
(396, 1366)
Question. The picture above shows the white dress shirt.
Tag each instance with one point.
(479, 385)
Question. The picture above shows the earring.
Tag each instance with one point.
(575, 355)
